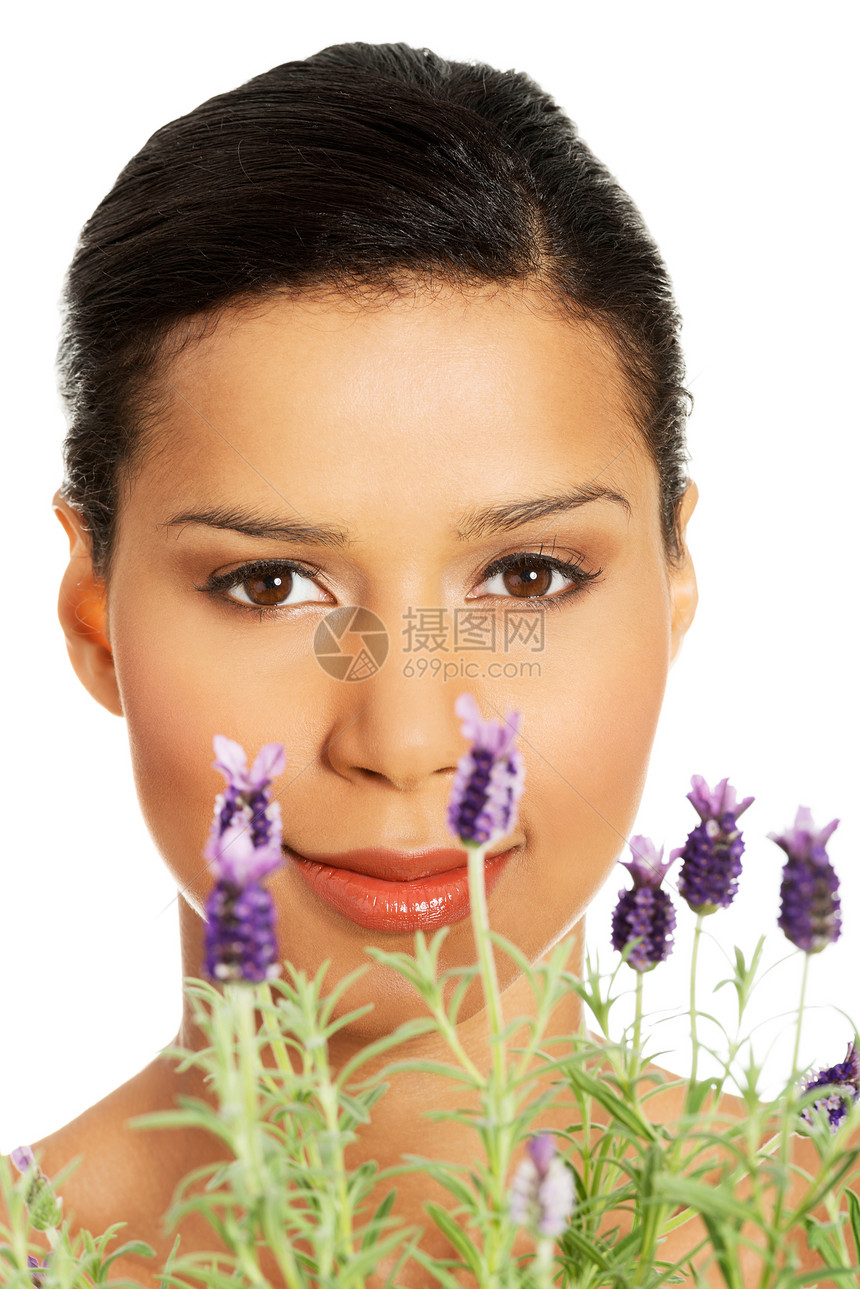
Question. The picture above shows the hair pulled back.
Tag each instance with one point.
(363, 166)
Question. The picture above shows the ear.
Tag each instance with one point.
(82, 610)
(682, 578)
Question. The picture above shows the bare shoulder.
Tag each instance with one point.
(128, 1175)
(116, 1176)
(54, 1153)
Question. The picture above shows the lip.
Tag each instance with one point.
(393, 865)
(436, 894)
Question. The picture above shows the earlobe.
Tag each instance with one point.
(684, 590)
(82, 611)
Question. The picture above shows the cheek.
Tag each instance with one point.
(593, 732)
(184, 678)
(175, 699)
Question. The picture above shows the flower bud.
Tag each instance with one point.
(708, 878)
(489, 779)
(244, 846)
(646, 912)
(542, 1192)
(45, 1209)
(810, 913)
(844, 1082)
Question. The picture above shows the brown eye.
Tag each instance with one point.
(274, 586)
(543, 578)
(269, 589)
(527, 578)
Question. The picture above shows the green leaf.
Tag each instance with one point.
(707, 1200)
(443, 1173)
(826, 1184)
(460, 991)
(725, 1250)
(698, 1094)
(408, 1030)
(437, 1269)
(590, 1253)
(819, 1237)
(813, 1278)
(854, 1213)
(456, 1235)
(619, 1109)
(137, 1247)
(370, 1256)
(425, 1067)
(513, 951)
(383, 1210)
(213, 1277)
(172, 1119)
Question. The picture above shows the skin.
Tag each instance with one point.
(396, 423)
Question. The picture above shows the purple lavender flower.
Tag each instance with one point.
(244, 846)
(246, 801)
(646, 910)
(810, 912)
(23, 1158)
(844, 1079)
(542, 1190)
(708, 878)
(489, 779)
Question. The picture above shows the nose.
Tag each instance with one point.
(399, 730)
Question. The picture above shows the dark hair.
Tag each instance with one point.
(361, 167)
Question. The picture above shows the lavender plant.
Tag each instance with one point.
(597, 1202)
(710, 868)
(244, 846)
(841, 1082)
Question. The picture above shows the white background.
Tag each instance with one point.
(734, 127)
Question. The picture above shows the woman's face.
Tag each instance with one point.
(427, 431)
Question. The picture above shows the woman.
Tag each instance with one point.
(371, 330)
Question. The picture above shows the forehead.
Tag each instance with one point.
(446, 387)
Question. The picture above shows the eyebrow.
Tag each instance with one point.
(506, 516)
(502, 517)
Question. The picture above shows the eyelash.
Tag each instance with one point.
(574, 571)
(218, 583)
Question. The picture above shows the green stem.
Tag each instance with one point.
(282, 1249)
(242, 997)
(833, 1206)
(794, 1059)
(693, 1032)
(637, 1035)
(339, 1254)
(449, 1032)
(248, 1261)
(276, 1237)
(544, 1263)
(500, 1111)
(486, 958)
(329, 1102)
(239, 997)
(786, 1130)
(275, 1037)
(20, 1224)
